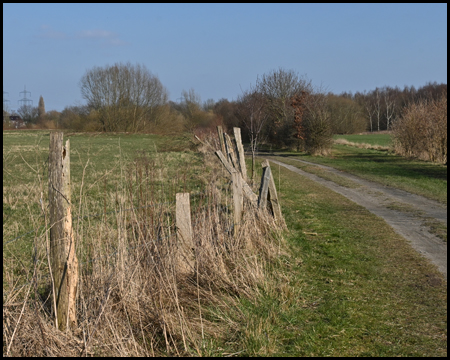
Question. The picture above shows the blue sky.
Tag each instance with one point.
(217, 49)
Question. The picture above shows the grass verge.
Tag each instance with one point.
(350, 286)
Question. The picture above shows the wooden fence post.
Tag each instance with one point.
(272, 193)
(238, 200)
(264, 188)
(63, 258)
(230, 151)
(240, 152)
(184, 227)
(248, 192)
(221, 141)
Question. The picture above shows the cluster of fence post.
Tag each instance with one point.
(63, 260)
(234, 163)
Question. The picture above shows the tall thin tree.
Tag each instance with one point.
(41, 109)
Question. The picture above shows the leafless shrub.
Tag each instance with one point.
(421, 132)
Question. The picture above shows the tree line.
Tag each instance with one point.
(282, 108)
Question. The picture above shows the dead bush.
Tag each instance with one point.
(421, 131)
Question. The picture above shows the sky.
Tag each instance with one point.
(219, 50)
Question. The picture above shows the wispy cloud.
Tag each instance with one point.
(47, 32)
(104, 37)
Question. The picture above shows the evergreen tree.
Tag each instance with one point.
(41, 109)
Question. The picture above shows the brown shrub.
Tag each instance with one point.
(421, 131)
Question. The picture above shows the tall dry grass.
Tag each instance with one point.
(141, 291)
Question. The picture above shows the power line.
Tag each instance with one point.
(25, 100)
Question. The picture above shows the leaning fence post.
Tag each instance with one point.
(63, 258)
(240, 152)
(272, 193)
(238, 200)
(221, 141)
(230, 151)
(264, 188)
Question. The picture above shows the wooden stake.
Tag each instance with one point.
(62, 243)
(240, 152)
(230, 151)
(272, 193)
(221, 139)
(238, 200)
(248, 192)
(184, 230)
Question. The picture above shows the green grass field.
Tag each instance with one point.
(416, 176)
(349, 286)
(99, 163)
(344, 284)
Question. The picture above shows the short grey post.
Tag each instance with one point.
(183, 218)
(240, 152)
(238, 200)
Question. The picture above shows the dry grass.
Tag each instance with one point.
(361, 145)
(141, 291)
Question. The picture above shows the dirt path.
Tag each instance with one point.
(405, 212)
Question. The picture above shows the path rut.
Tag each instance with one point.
(388, 203)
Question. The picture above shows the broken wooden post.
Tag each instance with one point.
(240, 152)
(264, 188)
(221, 139)
(184, 227)
(238, 200)
(230, 151)
(63, 258)
(248, 192)
(272, 194)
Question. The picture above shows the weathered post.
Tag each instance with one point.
(238, 200)
(62, 244)
(230, 151)
(184, 227)
(272, 193)
(264, 188)
(240, 152)
(248, 192)
(221, 141)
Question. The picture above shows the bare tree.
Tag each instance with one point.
(125, 96)
(317, 123)
(298, 103)
(28, 113)
(378, 106)
(252, 113)
(278, 88)
(389, 102)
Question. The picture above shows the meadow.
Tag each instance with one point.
(324, 285)
(382, 165)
